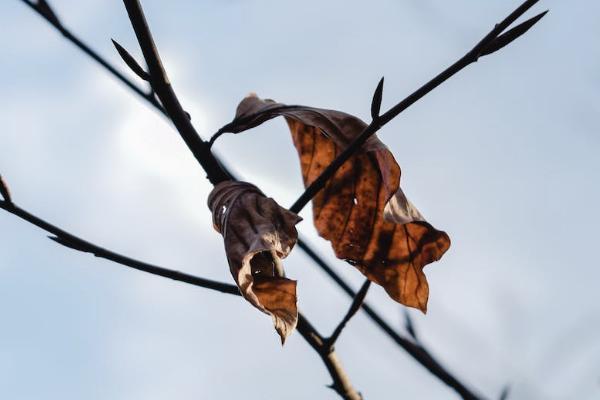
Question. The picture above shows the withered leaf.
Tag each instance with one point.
(258, 234)
(362, 211)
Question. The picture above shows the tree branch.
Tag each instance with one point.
(420, 354)
(341, 384)
(483, 47)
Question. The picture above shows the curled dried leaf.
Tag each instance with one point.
(258, 234)
(361, 210)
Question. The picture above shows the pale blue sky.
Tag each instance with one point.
(504, 157)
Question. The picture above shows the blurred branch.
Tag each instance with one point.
(489, 44)
(354, 307)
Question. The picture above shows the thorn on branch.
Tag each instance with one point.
(131, 62)
(505, 392)
(376, 102)
(4, 191)
(354, 307)
(410, 327)
(70, 244)
(44, 8)
(512, 34)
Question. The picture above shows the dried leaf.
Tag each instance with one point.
(362, 211)
(258, 234)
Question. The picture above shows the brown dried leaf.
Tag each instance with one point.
(362, 211)
(258, 234)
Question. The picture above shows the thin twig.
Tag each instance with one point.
(357, 303)
(341, 382)
(377, 123)
(69, 240)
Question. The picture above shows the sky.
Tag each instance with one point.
(503, 157)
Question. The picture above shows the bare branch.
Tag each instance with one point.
(417, 352)
(354, 307)
(69, 240)
(378, 123)
(163, 89)
(309, 333)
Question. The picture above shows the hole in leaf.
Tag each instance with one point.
(262, 264)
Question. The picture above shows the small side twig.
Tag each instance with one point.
(354, 307)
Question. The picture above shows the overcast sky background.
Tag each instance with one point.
(504, 157)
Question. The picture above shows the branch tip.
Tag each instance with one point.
(512, 34)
